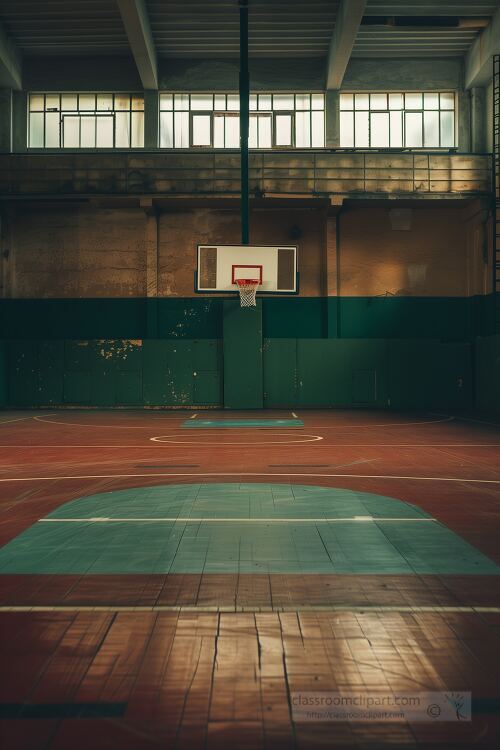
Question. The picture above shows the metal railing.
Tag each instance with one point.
(318, 173)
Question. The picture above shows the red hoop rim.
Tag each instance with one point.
(247, 282)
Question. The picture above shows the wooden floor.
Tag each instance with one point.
(211, 657)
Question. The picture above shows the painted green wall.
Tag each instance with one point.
(242, 346)
(450, 318)
(488, 374)
(3, 375)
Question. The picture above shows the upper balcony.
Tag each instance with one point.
(217, 173)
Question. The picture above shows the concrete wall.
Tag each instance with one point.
(488, 374)
(80, 251)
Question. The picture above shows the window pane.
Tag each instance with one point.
(105, 132)
(361, 101)
(87, 126)
(86, 102)
(265, 102)
(36, 130)
(37, 102)
(181, 129)
(105, 102)
(302, 101)
(232, 132)
(318, 130)
(137, 130)
(71, 132)
(252, 132)
(52, 102)
(204, 102)
(138, 103)
(265, 132)
(431, 128)
(396, 122)
(52, 121)
(447, 101)
(122, 130)
(413, 129)
(361, 131)
(378, 101)
(166, 130)
(379, 130)
(413, 101)
(447, 129)
(166, 101)
(122, 101)
(201, 130)
(181, 101)
(233, 102)
(346, 130)
(253, 102)
(219, 131)
(69, 102)
(346, 101)
(220, 102)
(283, 101)
(318, 101)
(395, 101)
(431, 101)
(302, 129)
(283, 125)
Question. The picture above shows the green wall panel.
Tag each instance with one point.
(488, 374)
(280, 372)
(3, 375)
(242, 346)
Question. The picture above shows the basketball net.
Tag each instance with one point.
(247, 289)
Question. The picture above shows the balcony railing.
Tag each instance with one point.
(318, 173)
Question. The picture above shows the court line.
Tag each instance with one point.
(251, 474)
(356, 519)
(107, 426)
(356, 608)
(330, 446)
(470, 419)
(233, 444)
(21, 419)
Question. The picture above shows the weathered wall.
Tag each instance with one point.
(488, 374)
(431, 258)
(74, 252)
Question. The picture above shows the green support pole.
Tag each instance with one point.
(244, 121)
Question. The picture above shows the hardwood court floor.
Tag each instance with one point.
(163, 586)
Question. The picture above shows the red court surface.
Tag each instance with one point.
(211, 659)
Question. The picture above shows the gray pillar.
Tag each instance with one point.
(5, 121)
(478, 119)
(151, 119)
(332, 129)
(19, 121)
(463, 114)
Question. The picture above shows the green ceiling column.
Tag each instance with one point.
(242, 337)
(151, 119)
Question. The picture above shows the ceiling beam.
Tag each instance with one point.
(478, 61)
(344, 35)
(10, 63)
(136, 22)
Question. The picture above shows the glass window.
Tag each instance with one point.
(287, 120)
(397, 120)
(86, 120)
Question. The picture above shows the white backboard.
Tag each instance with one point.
(219, 266)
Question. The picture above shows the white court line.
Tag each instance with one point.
(294, 415)
(251, 474)
(194, 416)
(233, 444)
(355, 608)
(330, 446)
(470, 419)
(356, 519)
(20, 419)
(107, 426)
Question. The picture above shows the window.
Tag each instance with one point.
(410, 120)
(86, 121)
(213, 121)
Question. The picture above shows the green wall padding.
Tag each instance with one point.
(242, 346)
(488, 374)
(449, 318)
(3, 375)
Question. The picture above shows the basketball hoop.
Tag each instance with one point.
(247, 289)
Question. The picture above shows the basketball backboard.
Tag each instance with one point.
(220, 266)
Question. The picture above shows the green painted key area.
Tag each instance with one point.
(245, 528)
(210, 423)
